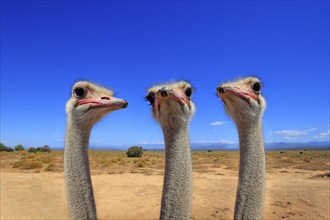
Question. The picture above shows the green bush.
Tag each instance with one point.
(45, 148)
(2, 147)
(9, 149)
(19, 147)
(134, 151)
(32, 150)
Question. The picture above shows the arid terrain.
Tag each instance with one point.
(32, 185)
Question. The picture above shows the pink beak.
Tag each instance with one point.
(105, 102)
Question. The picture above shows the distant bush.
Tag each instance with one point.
(9, 149)
(209, 150)
(2, 147)
(19, 147)
(134, 151)
(45, 148)
(32, 150)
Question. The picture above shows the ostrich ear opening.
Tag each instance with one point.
(150, 98)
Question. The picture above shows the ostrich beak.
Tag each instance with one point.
(227, 90)
(164, 93)
(112, 103)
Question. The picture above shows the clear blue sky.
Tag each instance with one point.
(130, 45)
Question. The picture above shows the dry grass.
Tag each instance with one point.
(152, 162)
(299, 159)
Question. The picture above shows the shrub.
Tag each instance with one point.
(33, 150)
(45, 148)
(122, 162)
(134, 151)
(27, 164)
(46, 158)
(8, 149)
(2, 147)
(19, 147)
(141, 163)
(51, 167)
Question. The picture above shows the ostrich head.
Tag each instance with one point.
(90, 102)
(242, 99)
(171, 103)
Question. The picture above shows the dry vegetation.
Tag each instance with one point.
(297, 184)
(152, 162)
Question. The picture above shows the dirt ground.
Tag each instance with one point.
(290, 194)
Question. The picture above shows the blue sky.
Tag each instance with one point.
(130, 45)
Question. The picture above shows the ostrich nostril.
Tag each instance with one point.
(221, 90)
(163, 92)
(105, 98)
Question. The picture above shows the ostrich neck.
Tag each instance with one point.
(77, 172)
(177, 188)
(252, 172)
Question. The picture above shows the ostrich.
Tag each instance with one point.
(172, 108)
(245, 105)
(87, 105)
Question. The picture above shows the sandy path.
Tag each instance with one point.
(293, 195)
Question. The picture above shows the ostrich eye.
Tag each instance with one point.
(150, 99)
(256, 87)
(188, 92)
(79, 92)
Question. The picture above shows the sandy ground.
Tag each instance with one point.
(291, 194)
